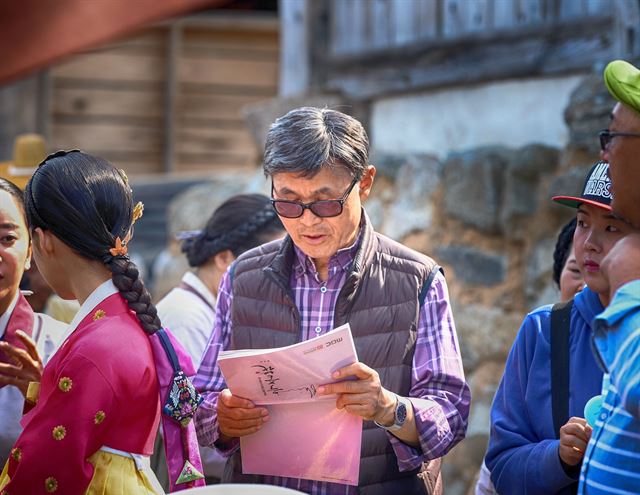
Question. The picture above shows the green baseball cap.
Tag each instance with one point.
(623, 82)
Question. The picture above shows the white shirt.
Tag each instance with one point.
(188, 317)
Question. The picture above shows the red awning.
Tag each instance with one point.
(35, 33)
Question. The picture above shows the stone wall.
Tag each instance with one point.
(485, 214)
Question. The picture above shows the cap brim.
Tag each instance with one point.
(574, 202)
(623, 82)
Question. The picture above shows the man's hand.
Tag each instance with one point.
(574, 437)
(622, 263)
(365, 396)
(238, 417)
(27, 367)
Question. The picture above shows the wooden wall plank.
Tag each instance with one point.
(215, 106)
(295, 63)
(149, 42)
(214, 70)
(571, 9)
(211, 140)
(403, 18)
(379, 15)
(265, 43)
(478, 15)
(101, 102)
(104, 136)
(455, 18)
(112, 66)
(426, 19)
(504, 14)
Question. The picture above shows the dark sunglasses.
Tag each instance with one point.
(324, 208)
(606, 136)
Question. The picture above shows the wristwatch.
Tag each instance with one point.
(399, 416)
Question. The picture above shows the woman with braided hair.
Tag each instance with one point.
(98, 404)
(240, 223)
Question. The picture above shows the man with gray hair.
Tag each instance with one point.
(330, 269)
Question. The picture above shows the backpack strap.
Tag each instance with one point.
(427, 284)
(193, 290)
(559, 340)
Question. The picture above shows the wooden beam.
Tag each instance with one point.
(256, 21)
(295, 50)
(171, 95)
(533, 51)
(43, 106)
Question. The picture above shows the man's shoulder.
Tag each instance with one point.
(258, 257)
(398, 254)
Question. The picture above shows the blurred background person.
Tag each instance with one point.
(566, 271)
(237, 225)
(27, 339)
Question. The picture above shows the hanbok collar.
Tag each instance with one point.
(100, 293)
(4, 319)
(19, 316)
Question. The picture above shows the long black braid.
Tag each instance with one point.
(86, 203)
(239, 224)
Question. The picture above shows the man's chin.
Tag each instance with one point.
(316, 251)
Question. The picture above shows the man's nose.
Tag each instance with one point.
(309, 218)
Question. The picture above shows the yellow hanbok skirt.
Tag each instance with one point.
(113, 474)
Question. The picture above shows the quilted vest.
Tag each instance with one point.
(379, 299)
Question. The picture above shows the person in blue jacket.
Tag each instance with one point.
(524, 454)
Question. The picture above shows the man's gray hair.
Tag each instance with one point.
(307, 139)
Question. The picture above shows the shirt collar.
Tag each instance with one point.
(4, 319)
(341, 260)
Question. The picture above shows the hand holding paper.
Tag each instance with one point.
(364, 397)
(238, 417)
(303, 435)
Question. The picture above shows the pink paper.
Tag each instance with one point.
(306, 436)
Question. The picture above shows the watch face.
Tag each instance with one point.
(401, 413)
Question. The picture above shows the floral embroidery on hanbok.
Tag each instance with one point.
(101, 313)
(65, 384)
(59, 432)
(99, 417)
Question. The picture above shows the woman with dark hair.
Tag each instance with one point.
(537, 443)
(239, 224)
(27, 339)
(569, 279)
(566, 272)
(97, 410)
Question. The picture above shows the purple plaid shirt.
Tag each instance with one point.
(439, 393)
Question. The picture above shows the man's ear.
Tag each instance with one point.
(366, 183)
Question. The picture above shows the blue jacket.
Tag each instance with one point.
(523, 449)
(612, 460)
